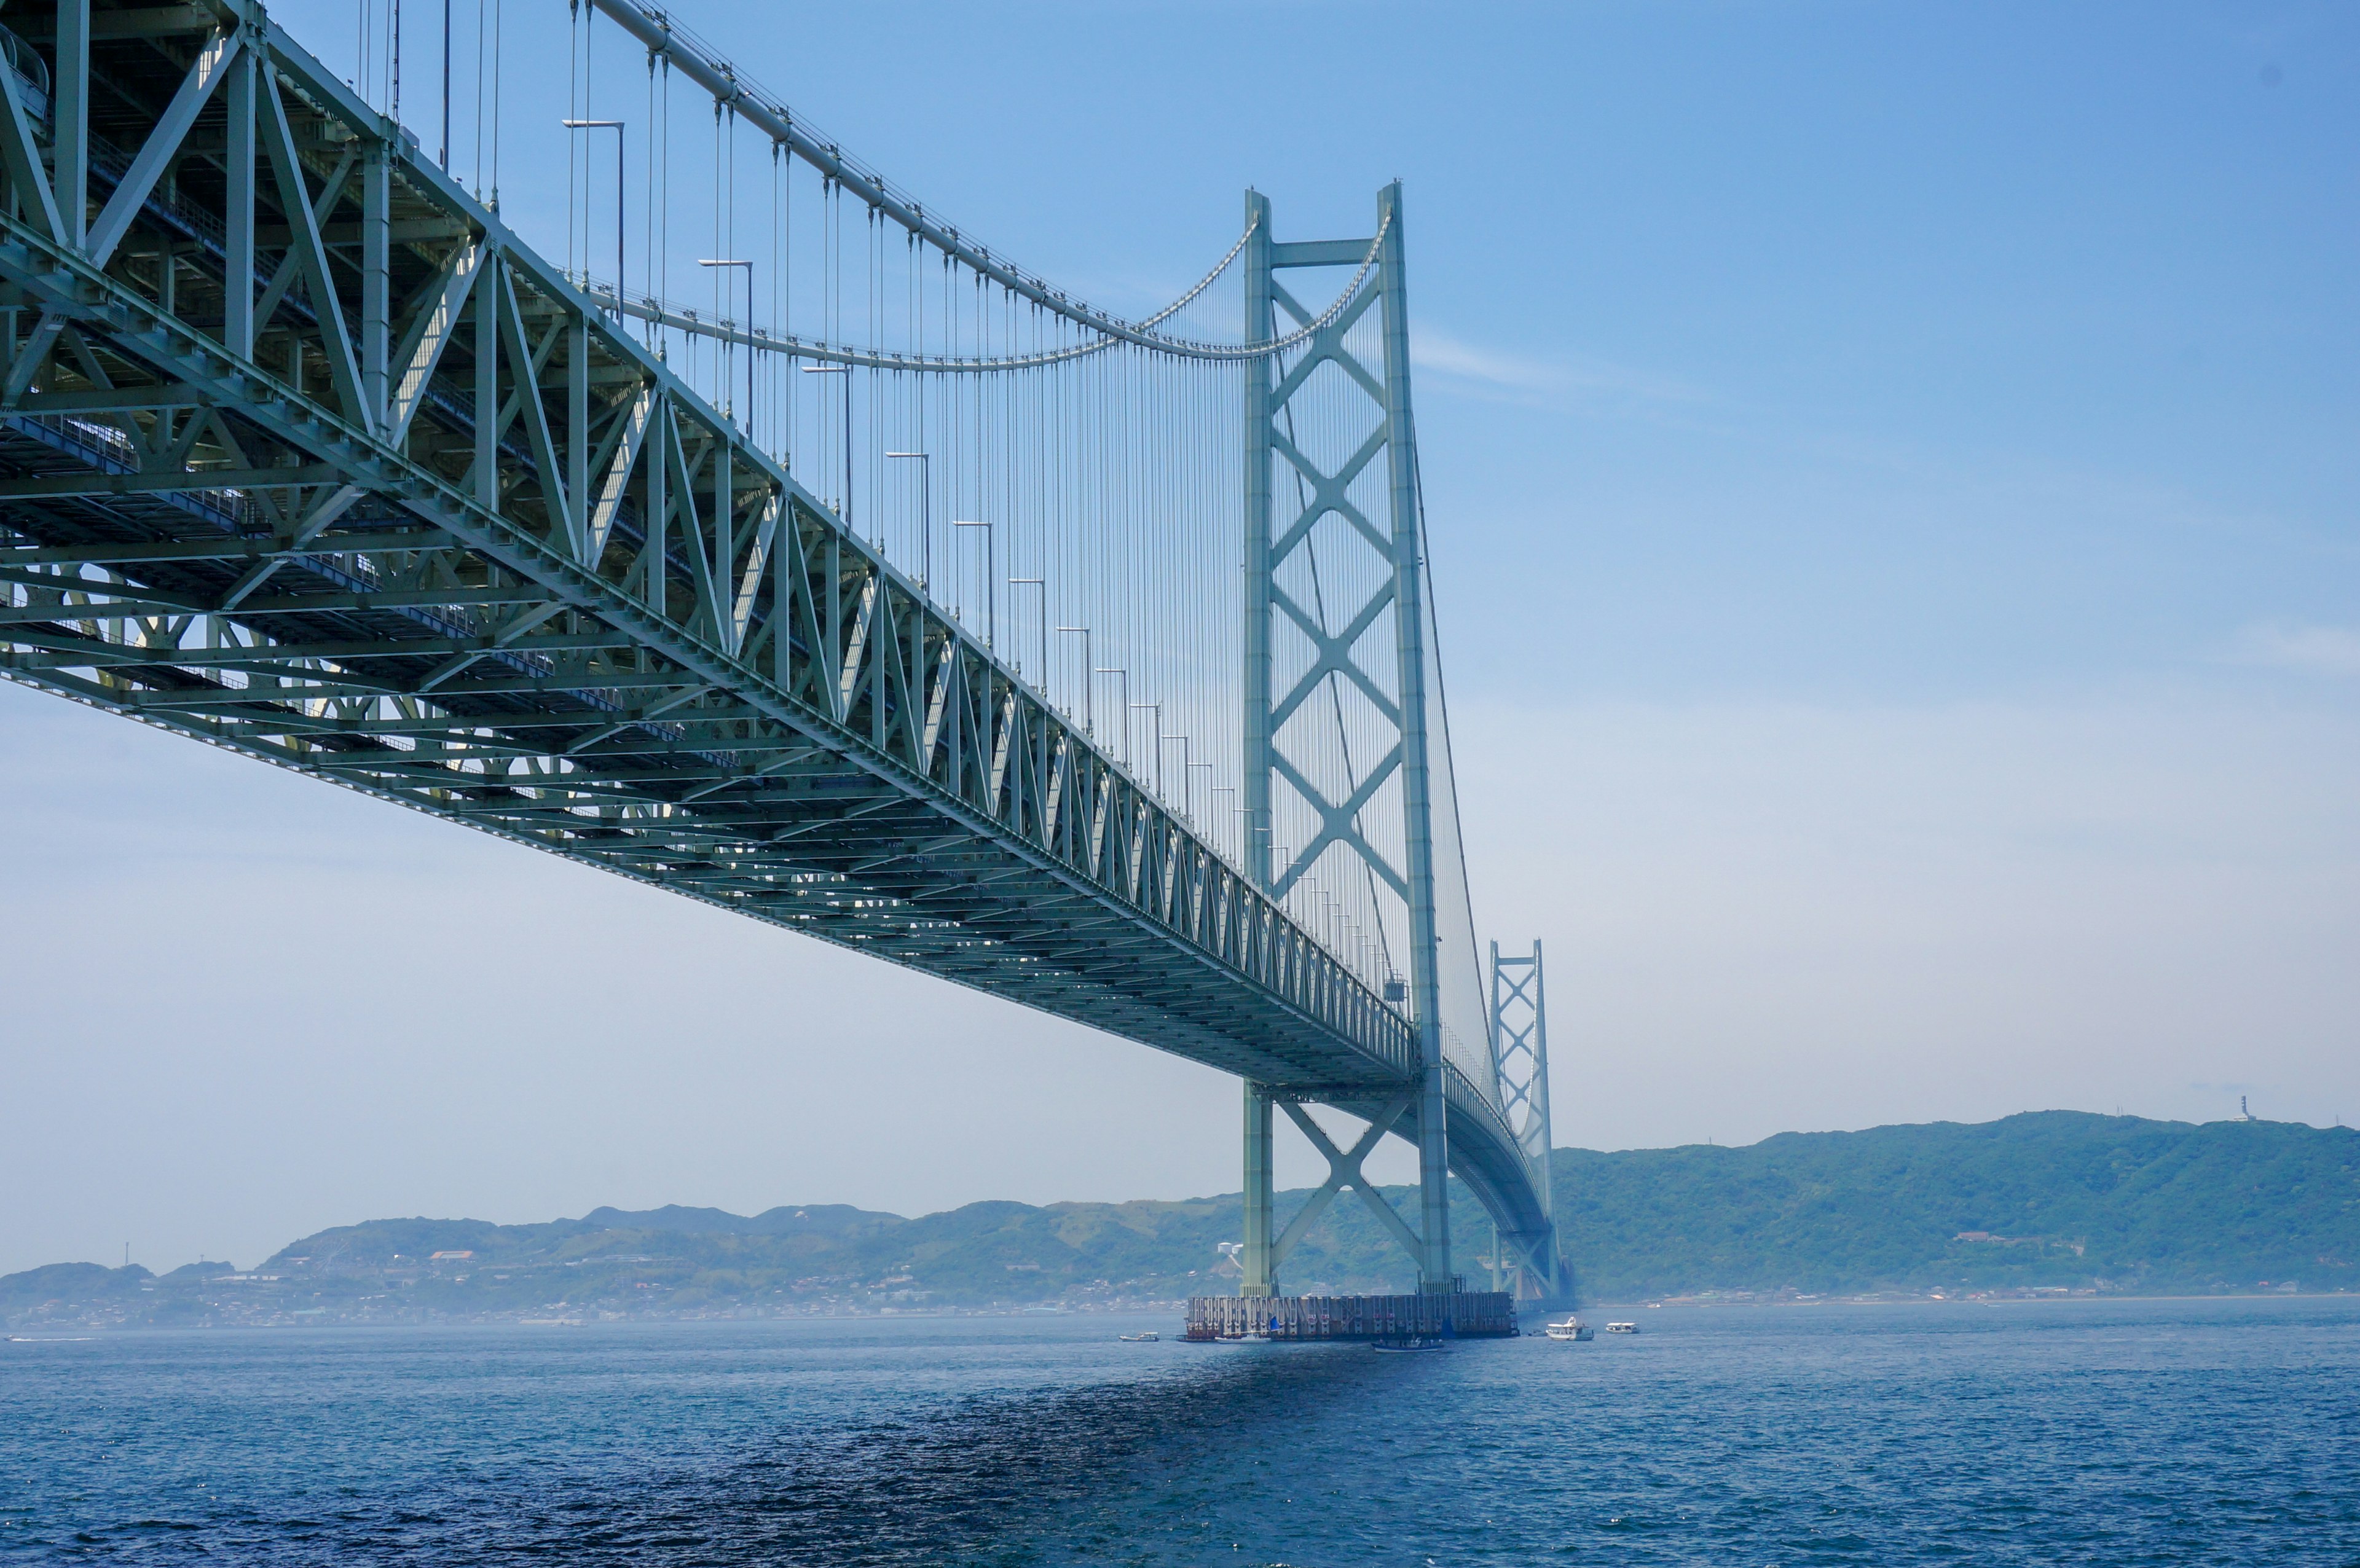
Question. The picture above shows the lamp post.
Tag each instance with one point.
(1122, 707)
(1159, 744)
(750, 351)
(614, 125)
(1042, 674)
(990, 575)
(1089, 727)
(844, 371)
(925, 515)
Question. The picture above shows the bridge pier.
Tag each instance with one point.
(1458, 1314)
(1433, 1182)
(1257, 1259)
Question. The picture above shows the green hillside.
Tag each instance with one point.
(2043, 1201)
(2064, 1198)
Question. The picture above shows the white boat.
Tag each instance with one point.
(1573, 1328)
(1149, 1337)
(1622, 1328)
(1401, 1346)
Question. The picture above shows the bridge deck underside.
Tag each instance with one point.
(821, 843)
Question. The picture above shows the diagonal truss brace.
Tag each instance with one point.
(1333, 660)
(1344, 1170)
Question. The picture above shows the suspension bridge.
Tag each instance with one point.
(767, 538)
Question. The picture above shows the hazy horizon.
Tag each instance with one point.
(1409, 1180)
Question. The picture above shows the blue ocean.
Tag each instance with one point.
(2214, 1433)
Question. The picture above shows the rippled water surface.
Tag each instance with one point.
(2140, 1432)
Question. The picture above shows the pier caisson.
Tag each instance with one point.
(1464, 1314)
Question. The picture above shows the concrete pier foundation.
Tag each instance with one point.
(1463, 1315)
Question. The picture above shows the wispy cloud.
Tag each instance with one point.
(2324, 650)
(1446, 355)
(1500, 373)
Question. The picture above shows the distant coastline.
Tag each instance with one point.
(84, 1329)
(2048, 1205)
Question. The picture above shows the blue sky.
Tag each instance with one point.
(1858, 350)
(1897, 529)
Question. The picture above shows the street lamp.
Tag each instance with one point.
(844, 371)
(1123, 707)
(1041, 674)
(750, 334)
(1159, 744)
(1089, 727)
(925, 515)
(614, 125)
(1161, 741)
(445, 159)
(990, 574)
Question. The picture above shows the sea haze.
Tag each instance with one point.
(2154, 1432)
(2054, 1202)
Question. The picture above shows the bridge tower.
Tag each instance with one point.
(1520, 1068)
(1369, 486)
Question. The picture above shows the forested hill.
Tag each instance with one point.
(2045, 1201)
(2049, 1198)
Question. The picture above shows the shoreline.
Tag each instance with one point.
(2076, 1298)
(52, 1332)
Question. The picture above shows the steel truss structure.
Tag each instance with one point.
(303, 453)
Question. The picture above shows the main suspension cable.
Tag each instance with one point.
(709, 68)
